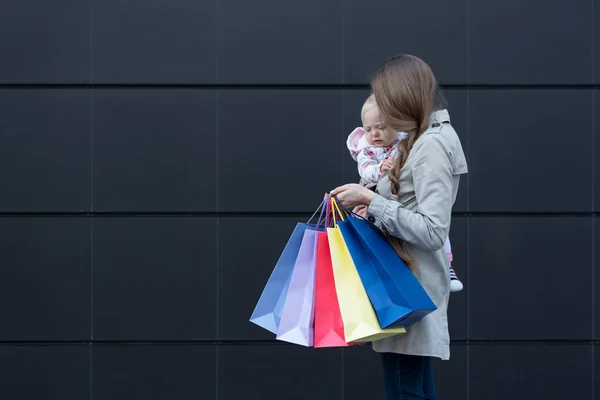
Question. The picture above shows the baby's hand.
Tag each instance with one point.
(388, 164)
(360, 210)
(394, 197)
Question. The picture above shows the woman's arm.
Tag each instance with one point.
(428, 226)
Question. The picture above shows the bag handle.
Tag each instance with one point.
(324, 216)
(328, 214)
(322, 208)
(335, 208)
(347, 211)
(330, 207)
(323, 213)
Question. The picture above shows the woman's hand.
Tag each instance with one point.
(352, 195)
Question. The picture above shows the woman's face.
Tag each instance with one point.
(378, 133)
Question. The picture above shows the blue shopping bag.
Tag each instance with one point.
(267, 313)
(395, 293)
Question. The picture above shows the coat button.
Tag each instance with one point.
(372, 218)
(435, 125)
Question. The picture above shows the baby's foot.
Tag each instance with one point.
(455, 283)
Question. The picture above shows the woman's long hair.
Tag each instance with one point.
(406, 93)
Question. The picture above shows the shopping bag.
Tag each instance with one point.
(267, 313)
(297, 316)
(395, 293)
(329, 328)
(387, 312)
(359, 318)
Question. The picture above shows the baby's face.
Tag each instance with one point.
(378, 133)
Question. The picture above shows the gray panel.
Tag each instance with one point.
(527, 154)
(434, 30)
(457, 309)
(154, 150)
(279, 372)
(596, 282)
(155, 278)
(275, 41)
(44, 150)
(539, 41)
(157, 372)
(596, 71)
(44, 41)
(522, 282)
(530, 371)
(45, 372)
(45, 278)
(451, 376)
(597, 375)
(248, 251)
(596, 149)
(363, 377)
(154, 41)
(279, 150)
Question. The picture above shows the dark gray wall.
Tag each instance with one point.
(154, 159)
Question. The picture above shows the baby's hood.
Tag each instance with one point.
(357, 141)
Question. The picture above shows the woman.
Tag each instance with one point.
(425, 178)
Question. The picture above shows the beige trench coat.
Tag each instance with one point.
(428, 186)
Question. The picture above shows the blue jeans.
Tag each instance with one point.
(408, 377)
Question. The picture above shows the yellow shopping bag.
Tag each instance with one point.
(360, 320)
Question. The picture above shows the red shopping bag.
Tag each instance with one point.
(329, 328)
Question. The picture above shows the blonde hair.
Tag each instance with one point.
(367, 105)
(406, 93)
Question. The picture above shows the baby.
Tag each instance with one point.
(374, 147)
